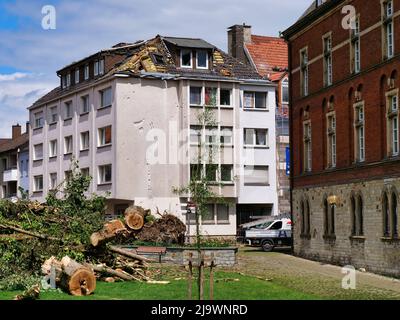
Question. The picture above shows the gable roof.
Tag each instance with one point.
(12, 144)
(139, 60)
(269, 55)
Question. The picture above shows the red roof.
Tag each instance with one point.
(268, 53)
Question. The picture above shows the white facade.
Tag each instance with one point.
(150, 152)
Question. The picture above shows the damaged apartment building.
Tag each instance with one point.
(129, 114)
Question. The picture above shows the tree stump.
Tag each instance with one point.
(135, 217)
(77, 279)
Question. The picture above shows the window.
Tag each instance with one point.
(101, 67)
(210, 97)
(38, 117)
(195, 135)
(328, 61)
(157, 58)
(53, 115)
(359, 126)
(307, 146)
(106, 98)
(212, 172)
(186, 58)
(331, 137)
(105, 174)
(386, 215)
(77, 76)
(195, 172)
(38, 152)
(355, 47)
(255, 100)
(85, 108)
(305, 218)
(256, 137)
(85, 141)
(390, 213)
(38, 183)
(53, 148)
(96, 68)
(68, 80)
(388, 29)
(68, 176)
(393, 124)
(64, 81)
(226, 136)
(85, 172)
(53, 181)
(105, 136)
(212, 135)
(394, 215)
(68, 145)
(68, 113)
(256, 175)
(329, 219)
(285, 92)
(86, 72)
(304, 72)
(202, 59)
(226, 173)
(356, 203)
(195, 96)
(209, 214)
(225, 97)
(222, 213)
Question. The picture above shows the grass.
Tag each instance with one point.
(228, 286)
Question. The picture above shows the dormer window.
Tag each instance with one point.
(202, 59)
(86, 72)
(77, 76)
(186, 58)
(68, 80)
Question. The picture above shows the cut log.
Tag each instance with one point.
(49, 263)
(109, 231)
(77, 279)
(128, 254)
(106, 270)
(135, 217)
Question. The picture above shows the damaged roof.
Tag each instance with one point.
(158, 56)
(269, 55)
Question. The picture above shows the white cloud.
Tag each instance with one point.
(12, 77)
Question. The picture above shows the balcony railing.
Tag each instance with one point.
(10, 175)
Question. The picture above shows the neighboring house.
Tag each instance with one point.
(269, 56)
(14, 163)
(129, 114)
(345, 134)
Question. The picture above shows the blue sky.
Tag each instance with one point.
(30, 55)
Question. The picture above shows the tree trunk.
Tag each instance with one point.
(128, 254)
(77, 279)
(109, 231)
(106, 270)
(135, 217)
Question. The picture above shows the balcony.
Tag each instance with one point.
(10, 175)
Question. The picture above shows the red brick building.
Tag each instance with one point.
(344, 60)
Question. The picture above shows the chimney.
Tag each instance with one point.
(16, 131)
(27, 127)
(238, 36)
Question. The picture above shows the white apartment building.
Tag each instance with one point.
(129, 115)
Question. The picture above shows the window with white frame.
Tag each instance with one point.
(85, 108)
(285, 92)
(53, 148)
(64, 81)
(106, 98)
(256, 175)
(68, 145)
(85, 172)
(256, 137)
(85, 141)
(307, 141)
(359, 125)
(210, 97)
(38, 183)
(38, 120)
(388, 29)
(222, 213)
(255, 100)
(226, 173)
(331, 138)
(105, 136)
(68, 79)
(105, 174)
(225, 97)
(96, 68)
(38, 152)
(196, 96)
(328, 60)
(226, 136)
(186, 58)
(212, 135)
(393, 124)
(101, 67)
(86, 72)
(53, 181)
(195, 135)
(212, 172)
(356, 47)
(76, 75)
(304, 72)
(202, 59)
(68, 111)
(68, 176)
(53, 115)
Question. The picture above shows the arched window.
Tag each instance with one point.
(308, 218)
(386, 215)
(329, 219)
(305, 218)
(360, 218)
(302, 217)
(332, 220)
(394, 215)
(353, 215)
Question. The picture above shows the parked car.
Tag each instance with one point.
(271, 234)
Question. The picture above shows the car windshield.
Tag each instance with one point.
(265, 225)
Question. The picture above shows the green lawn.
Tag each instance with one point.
(247, 288)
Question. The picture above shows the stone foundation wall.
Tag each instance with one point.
(372, 252)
